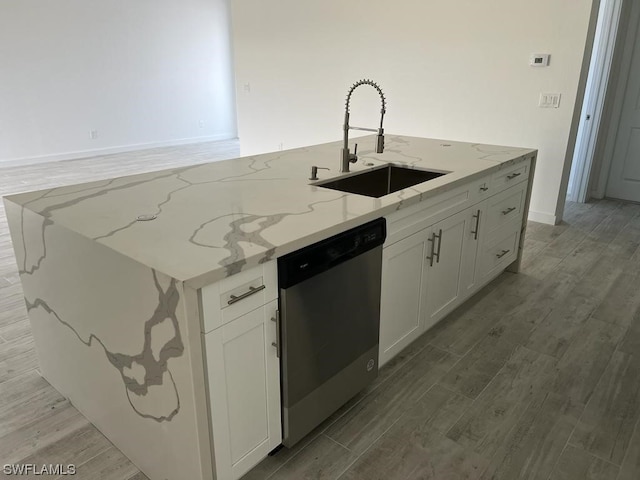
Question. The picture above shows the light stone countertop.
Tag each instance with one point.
(216, 219)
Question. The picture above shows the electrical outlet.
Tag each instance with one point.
(201, 123)
(549, 100)
(280, 146)
(247, 87)
(93, 134)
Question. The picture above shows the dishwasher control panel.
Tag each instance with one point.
(311, 260)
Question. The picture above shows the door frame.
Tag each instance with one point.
(594, 99)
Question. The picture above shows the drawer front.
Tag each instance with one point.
(410, 220)
(505, 178)
(506, 207)
(499, 251)
(234, 296)
(481, 189)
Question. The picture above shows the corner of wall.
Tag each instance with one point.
(542, 217)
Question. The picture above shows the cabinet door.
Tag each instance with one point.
(443, 271)
(402, 292)
(474, 234)
(244, 391)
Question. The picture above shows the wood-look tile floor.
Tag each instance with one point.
(536, 377)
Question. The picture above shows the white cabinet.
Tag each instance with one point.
(425, 276)
(450, 267)
(500, 236)
(244, 390)
(231, 297)
(438, 255)
(402, 294)
(239, 325)
(498, 251)
(474, 235)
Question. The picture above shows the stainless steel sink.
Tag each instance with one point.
(381, 181)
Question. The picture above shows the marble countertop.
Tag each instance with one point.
(216, 219)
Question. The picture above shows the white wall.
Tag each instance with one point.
(141, 72)
(450, 69)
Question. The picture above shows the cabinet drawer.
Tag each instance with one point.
(236, 295)
(481, 189)
(499, 251)
(506, 207)
(506, 177)
(410, 220)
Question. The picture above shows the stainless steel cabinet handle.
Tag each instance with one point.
(513, 175)
(477, 229)
(251, 291)
(502, 254)
(508, 210)
(433, 244)
(277, 342)
(439, 237)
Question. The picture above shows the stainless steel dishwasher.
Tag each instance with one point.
(330, 321)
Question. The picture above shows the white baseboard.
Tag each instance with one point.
(542, 217)
(14, 162)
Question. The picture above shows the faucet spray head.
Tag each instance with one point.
(380, 142)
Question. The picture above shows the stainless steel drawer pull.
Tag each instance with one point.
(475, 232)
(502, 254)
(513, 175)
(432, 240)
(439, 236)
(251, 291)
(508, 210)
(277, 342)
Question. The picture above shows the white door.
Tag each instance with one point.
(477, 219)
(244, 391)
(624, 176)
(443, 274)
(402, 292)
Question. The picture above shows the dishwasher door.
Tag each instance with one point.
(330, 327)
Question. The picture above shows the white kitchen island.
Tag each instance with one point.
(130, 318)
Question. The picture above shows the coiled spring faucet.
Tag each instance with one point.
(347, 156)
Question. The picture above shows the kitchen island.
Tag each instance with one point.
(117, 273)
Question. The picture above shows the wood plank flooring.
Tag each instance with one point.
(535, 377)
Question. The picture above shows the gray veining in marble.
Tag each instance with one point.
(154, 369)
(214, 220)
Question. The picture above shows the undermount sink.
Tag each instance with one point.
(381, 181)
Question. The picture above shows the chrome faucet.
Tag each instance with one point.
(347, 156)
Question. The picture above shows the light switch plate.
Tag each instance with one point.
(549, 100)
